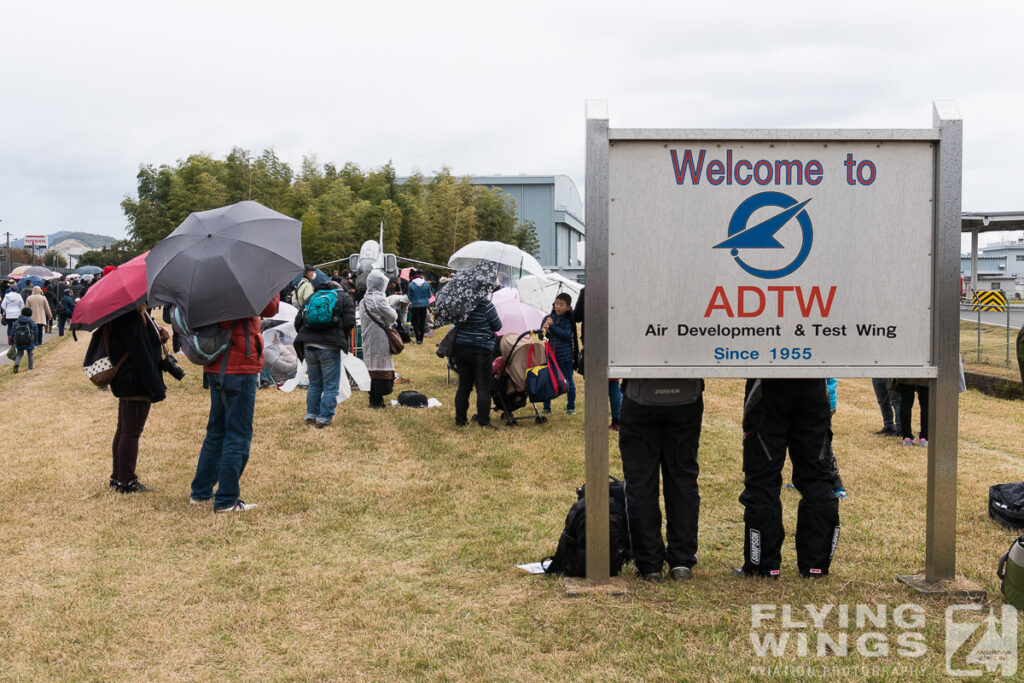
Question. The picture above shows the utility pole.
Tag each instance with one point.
(8, 252)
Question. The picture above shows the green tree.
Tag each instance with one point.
(54, 259)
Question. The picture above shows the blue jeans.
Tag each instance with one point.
(20, 353)
(570, 391)
(323, 367)
(225, 450)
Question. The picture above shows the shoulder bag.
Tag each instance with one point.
(395, 344)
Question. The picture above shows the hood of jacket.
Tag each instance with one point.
(376, 282)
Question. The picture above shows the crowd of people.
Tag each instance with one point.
(29, 310)
(659, 420)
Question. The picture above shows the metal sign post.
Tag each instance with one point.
(940, 525)
(769, 253)
(595, 384)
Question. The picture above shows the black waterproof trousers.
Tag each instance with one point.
(793, 414)
(663, 439)
(419, 323)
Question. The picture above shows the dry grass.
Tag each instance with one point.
(992, 357)
(384, 547)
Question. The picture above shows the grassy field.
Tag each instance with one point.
(992, 358)
(385, 546)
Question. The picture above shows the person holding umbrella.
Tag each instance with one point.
(233, 382)
(117, 315)
(466, 301)
(222, 267)
(139, 384)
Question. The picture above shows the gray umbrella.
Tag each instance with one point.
(225, 263)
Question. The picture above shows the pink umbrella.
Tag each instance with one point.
(516, 317)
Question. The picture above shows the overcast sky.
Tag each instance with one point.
(92, 90)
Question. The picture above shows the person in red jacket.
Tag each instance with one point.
(225, 450)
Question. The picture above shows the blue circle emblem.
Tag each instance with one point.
(762, 235)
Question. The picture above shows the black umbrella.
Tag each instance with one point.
(463, 292)
(225, 263)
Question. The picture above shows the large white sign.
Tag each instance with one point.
(35, 241)
(731, 258)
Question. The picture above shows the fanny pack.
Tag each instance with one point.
(663, 392)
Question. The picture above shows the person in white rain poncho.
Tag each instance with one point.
(375, 314)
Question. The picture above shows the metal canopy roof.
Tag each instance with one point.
(992, 221)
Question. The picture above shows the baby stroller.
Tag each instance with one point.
(508, 384)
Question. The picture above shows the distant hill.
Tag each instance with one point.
(88, 239)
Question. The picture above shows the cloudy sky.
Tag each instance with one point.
(88, 91)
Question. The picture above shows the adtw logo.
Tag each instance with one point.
(762, 235)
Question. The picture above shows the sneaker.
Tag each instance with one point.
(321, 425)
(114, 483)
(570, 411)
(192, 500)
(652, 577)
(309, 421)
(134, 486)
(239, 506)
(886, 431)
(461, 423)
(923, 442)
(15, 371)
(487, 425)
(614, 427)
(680, 573)
(907, 441)
(840, 492)
(545, 411)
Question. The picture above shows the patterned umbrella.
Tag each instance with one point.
(462, 293)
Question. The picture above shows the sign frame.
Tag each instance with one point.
(941, 375)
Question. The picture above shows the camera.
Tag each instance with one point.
(171, 367)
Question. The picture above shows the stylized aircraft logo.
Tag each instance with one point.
(762, 235)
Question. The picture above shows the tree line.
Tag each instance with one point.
(340, 208)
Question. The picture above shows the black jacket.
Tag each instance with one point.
(135, 334)
(345, 310)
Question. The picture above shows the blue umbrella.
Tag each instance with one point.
(89, 270)
(318, 279)
(30, 281)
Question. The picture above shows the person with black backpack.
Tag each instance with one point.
(660, 432)
(322, 329)
(23, 337)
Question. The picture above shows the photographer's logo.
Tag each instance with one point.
(976, 643)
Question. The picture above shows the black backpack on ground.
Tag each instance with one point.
(23, 334)
(412, 399)
(571, 555)
(1006, 504)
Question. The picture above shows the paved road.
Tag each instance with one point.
(995, 318)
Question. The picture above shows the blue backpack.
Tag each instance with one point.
(320, 313)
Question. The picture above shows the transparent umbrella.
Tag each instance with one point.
(519, 262)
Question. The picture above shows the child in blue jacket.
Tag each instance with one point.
(27, 343)
(562, 334)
